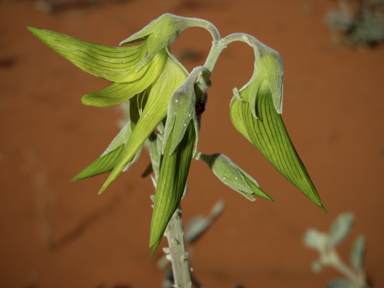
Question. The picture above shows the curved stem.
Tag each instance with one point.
(196, 22)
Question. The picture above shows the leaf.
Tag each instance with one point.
(357, 254)
(269, 135)
(117, 64)
(170, 186)
(315, 239)
(340, 228)
(340, 283)
(155, 110)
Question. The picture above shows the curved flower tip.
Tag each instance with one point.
(116, 64)
(233, 176)
(269, 135)
(160, 33)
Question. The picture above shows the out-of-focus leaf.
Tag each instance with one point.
(199, 224)
(340, 283)
(315, 239)
(316, 266)
(269, 135)
(357, 254)
(340, 228)
(170, 186)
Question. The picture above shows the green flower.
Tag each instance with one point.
(146, 74)
(255, 112)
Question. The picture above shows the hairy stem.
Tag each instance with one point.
(177, 253)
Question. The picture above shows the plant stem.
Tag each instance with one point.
(177, 253)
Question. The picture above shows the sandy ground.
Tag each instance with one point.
(57, 233)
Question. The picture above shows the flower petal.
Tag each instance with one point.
(117, 64)
(269, 135)
(155, 110)
(120, 92)
(170, 186)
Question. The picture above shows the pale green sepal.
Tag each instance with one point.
(268, 68)
(233, 176)
(155, 110)
(107, 161)
(159, 34)
(120, 92)
(116, 64)
(268, 134)
(181, 111)
(170, 186)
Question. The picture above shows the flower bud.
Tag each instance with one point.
(233, 176)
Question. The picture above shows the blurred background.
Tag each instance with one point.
(57, 233)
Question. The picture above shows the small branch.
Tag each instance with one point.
(177, 253)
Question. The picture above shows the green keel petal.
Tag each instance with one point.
(120, 92)
(116, 64)
(170, 186)
(107, 161)
(269, 135)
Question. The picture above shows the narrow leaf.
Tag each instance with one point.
(269, 135)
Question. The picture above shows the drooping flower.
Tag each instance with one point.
(255, 112)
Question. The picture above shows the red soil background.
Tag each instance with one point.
(57, 233)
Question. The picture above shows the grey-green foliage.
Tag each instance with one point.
(359, 26)
(325, 243)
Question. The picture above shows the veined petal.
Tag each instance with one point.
(173, 75)
(120, 92)
(269, 135)
(116, 64)
(170, 186)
